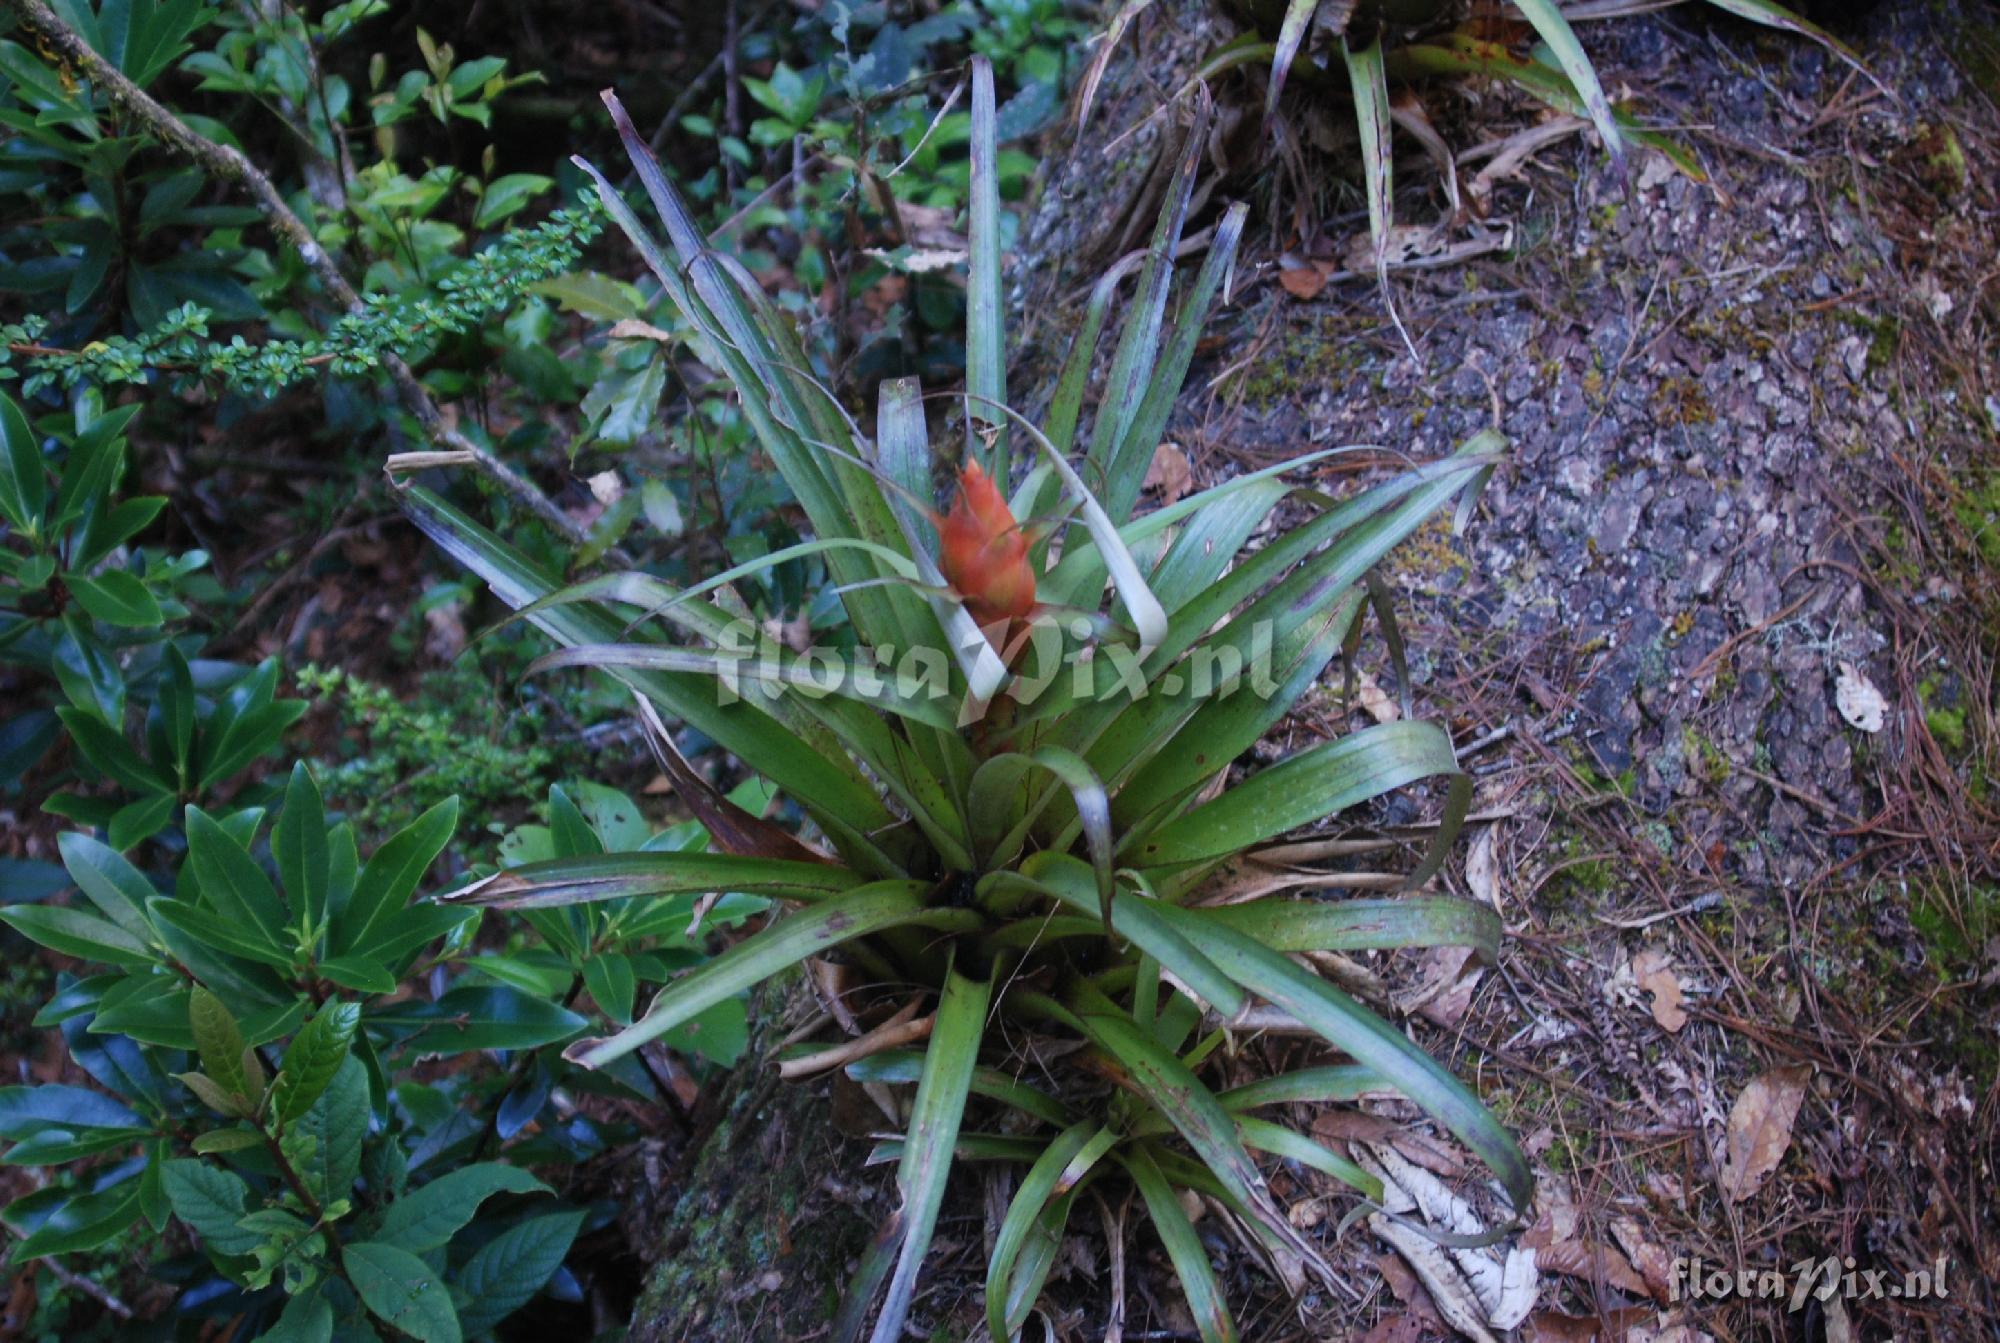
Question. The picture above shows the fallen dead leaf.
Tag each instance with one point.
(1551, 1326)
(1859, 702)
(1655, 975)
(631, 328)
(1444, 991)
(1169, 473)
(1377, 701)
(444, 631)
(1760, 1131)
(1403, 1285)
(1482, 868)
(1303, 282)
(1335, 1126)
(1655, 1265)
(1396, 1329)
(1593, 1263)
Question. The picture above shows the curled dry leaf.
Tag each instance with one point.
(1303, 281)
(1859, 702)
(1654, 973)
(1381, 706)
(1169, 473)
(631, 328)
(1499, 1281)
(1655, 1265)
(1760, 1131)
(1482, 868)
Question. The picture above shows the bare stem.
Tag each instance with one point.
(231, 165)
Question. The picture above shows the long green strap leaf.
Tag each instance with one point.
(1285, 924)
(743, 728)
(1038, 1186)
(1313, 784)
(934, 1120)
(1184, 1247)
(1369, 1040)
(985, 319)
(867, 909)
(618, 876)
(1548, 20)
(1158, 1077)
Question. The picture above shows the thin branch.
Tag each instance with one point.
(78, 1283)
(231, 165)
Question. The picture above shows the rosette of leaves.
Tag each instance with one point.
(82, 605)
(1037, 837)
(100, 213)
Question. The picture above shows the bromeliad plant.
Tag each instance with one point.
(1034, 821)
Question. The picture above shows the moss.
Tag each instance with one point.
(1884, 334)
(1682, 401)
(1978, 511)
(1710, 762)
(1309, 361)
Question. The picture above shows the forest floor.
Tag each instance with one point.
(1717, 644)
(1717, 641)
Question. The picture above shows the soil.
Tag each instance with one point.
(1751, 426)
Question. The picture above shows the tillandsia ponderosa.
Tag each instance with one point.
(1044, 846)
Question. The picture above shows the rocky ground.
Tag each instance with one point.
(1718, 638)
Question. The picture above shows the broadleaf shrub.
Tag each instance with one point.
(258, 1034)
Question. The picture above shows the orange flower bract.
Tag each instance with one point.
(984, 554)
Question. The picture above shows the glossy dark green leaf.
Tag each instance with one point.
(23, 482)
(507, 1271)
(113, 756)
(212, 1201)
(426, 1218)
(219, 932)
(26, 1111)
(306, 1318)
(299, 843)
(118, 889)
(75, 933)
(311, 1060)
(612, 985)
(334, 1125)
(136, 822)
(219, 1041)
(233, 883)
(116, 597)
(93, 464)
(391, 875)
(84, 1222)
(489, 1017)
(400, 1290)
